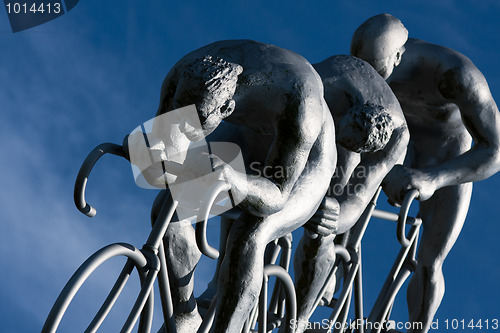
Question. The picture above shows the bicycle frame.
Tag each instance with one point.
(151, 264)
(149, 261)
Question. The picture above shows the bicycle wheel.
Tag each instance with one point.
(135, 259)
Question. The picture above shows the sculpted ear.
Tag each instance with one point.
(399, 55)
(398, 59)
(228, 108)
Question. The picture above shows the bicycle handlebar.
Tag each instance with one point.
(201, 226)
(86, 168)
(403, 215)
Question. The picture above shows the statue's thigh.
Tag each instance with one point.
(443, 216)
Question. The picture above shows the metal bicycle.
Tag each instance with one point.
(349, 256)
(150, 263)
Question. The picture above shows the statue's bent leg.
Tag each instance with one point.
(182, 256)
(313, 262)
(240, 278)
(443, 216)
(241, 272)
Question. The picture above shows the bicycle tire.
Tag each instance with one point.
(135, 259)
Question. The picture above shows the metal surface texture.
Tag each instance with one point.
(151, 264)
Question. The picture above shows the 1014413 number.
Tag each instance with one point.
(479, 324)
(24, 8)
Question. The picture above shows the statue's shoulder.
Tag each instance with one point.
(441, 57)
(344, 66)
(349, 71)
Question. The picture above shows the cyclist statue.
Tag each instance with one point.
(359, 100)
(275, 99)
(448, 106)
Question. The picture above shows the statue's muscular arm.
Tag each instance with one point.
(360, 176)
(297, 130)
(367, 177)
(468, 88)
(465, 86)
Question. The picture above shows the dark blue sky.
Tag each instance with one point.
(94, 74)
